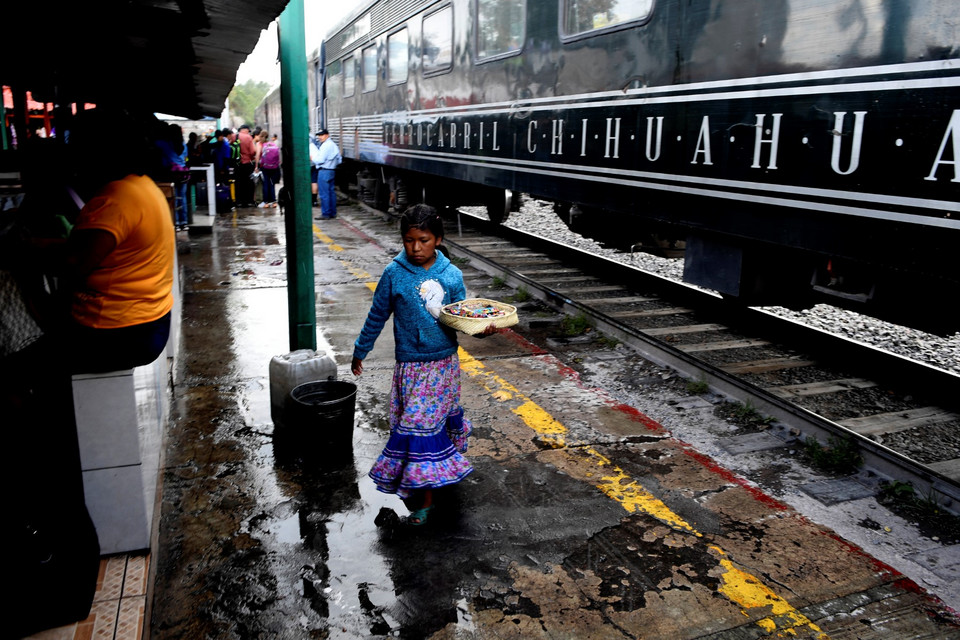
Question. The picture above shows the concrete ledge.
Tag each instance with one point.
(120, 418)
(106, 412)
(202, 224)
(115, 500)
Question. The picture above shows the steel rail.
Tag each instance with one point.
(877, 457)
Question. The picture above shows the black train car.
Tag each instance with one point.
(803, 150)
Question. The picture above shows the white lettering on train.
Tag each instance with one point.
(556, 138)
(845, 157)
(703, 143)
(583, 139)
(655, 156)
(952, 132)
(613, 137)
(773, 141)
(838, 142)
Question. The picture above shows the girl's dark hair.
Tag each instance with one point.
(423, 217)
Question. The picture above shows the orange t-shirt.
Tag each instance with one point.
(134, 283)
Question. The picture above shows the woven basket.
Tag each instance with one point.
(473, 326)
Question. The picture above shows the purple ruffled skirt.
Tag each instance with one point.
(428, 432)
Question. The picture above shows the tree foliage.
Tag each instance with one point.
(244, 99)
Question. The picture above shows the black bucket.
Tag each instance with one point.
(322, 411)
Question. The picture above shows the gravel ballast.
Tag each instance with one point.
(944, 352)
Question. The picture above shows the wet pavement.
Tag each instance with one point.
(584, 518)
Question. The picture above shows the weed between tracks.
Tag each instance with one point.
(841, 455)
(522, 295)
(575, 325)
(744, 415)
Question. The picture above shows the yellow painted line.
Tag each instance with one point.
(325, 239)
(354, 271)
(634, 498)
(741, 588)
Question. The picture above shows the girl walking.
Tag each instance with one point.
(428, 433)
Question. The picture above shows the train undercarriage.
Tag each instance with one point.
(743, 271)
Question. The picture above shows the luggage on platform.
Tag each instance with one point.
(224, 201)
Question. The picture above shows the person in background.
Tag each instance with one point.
(234, 164)
(259, 137)
(314, 169)
(245, 165)
(173, 160)
(329, 160)
(194, 152)
(210, 146)
(269, 164)
(222, 154)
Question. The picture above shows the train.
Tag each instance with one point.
(797, 152)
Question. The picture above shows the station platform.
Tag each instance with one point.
(585, 516)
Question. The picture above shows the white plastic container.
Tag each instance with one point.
(292, 369)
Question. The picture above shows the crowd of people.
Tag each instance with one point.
(247, 166)
(249, 160)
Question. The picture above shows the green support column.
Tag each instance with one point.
(4, 142)
(298, 219)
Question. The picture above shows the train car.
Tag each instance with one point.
(802, 151)
(268, 115)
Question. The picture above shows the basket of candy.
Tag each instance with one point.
(473, 315)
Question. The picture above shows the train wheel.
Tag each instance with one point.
(499, 205)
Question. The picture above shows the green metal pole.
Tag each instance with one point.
(298, 219)
(4, 143)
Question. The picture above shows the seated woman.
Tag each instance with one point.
(116, 267)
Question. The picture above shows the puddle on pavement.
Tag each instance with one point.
(266, 537)
(346, 579)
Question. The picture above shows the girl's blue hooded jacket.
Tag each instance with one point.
(418, 335)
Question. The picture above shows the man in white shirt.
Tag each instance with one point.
(328, 160)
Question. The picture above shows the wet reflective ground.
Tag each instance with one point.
(275, 538)
(583, 518)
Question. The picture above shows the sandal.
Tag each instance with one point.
(419, 517)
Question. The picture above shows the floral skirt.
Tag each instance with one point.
(428, 433)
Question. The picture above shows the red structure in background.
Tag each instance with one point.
(40, 115)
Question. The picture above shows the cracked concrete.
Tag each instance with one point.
(594, 511)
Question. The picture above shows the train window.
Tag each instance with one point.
(583, 16)
(349, 76)
(334, 81)
(500, 27)
(398, 56)
(438, 41)
(368, 69)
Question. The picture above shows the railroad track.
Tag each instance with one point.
(819, 384)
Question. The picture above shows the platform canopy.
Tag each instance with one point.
(178, 57)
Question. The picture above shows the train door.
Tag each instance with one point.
(320, 72)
